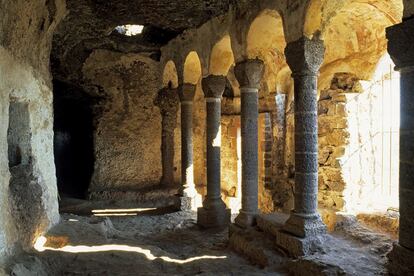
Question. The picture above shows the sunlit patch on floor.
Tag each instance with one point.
(41, 242)
(120, 212)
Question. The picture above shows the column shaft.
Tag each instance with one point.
(213, 149)
(401, 49)
(214, 212)
(167, 151)
(186, 93)
(167, 102)
(305, 57)
(249, 74)
(306, 145)
(187, 167)
(406, 230)
(249, 143)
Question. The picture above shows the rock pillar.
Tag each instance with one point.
(214, 212)
(167, 102)
(186, 93)
(249, 74)
(303, 231)
(401, 48)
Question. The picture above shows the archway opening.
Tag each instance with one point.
(266, 41)
(170, 76)
(192, 68)
(222, 57)
(371, 165)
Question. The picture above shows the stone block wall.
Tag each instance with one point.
(231, 161)
(333, 140)
(265, 162)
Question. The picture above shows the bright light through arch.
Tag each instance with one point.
(129, 30)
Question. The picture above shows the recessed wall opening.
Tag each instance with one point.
(73, 140)
(359, 142)
(18, 135)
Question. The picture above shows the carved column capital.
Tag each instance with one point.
(186, 92)
(401, 44)
(167, 101)
(305, 56)
(213, 86)
(249, 73)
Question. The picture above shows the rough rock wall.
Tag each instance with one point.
(28, 194)
(128, 128)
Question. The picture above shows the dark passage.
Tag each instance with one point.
(73, 140)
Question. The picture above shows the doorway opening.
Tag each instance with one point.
(73, 140)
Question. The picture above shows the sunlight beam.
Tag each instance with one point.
(41, 242)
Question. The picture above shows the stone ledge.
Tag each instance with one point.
(254, 245)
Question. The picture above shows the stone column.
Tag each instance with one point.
(304, 229)
(249, 74)
(167, 102)
(401, 48)
(186, 93)
(214, 212)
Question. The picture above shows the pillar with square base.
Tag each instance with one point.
(249, 74)
(401, 49)
(188, 193)
(214, 213)
(167, 102)
(304, 231)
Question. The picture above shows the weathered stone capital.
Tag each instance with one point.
(401, 44)
(305, 56)
(213, 86)
(249, 73)
(167, 100)
(186, 92)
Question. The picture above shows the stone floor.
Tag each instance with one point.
(170, 243)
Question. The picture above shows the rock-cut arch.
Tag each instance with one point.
(170, 75)
(222, 57)
(192, 68)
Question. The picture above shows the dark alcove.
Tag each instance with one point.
(73, 140)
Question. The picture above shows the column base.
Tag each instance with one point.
(302, 235)
(304, 225)
(213, 218)
(400, 261)
(245, 219)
